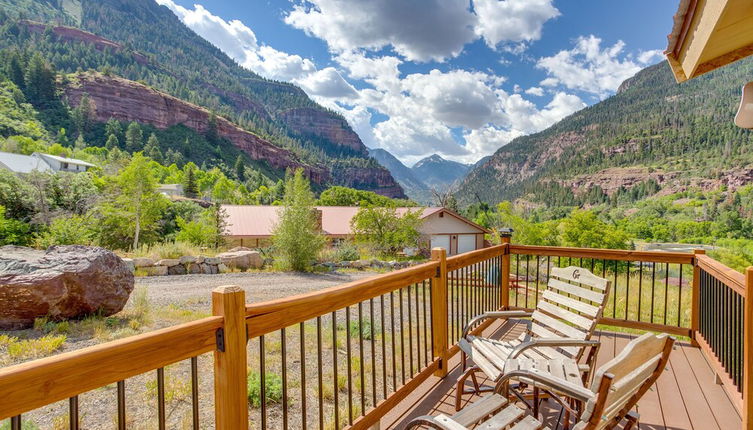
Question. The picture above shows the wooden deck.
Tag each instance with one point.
(686, 396)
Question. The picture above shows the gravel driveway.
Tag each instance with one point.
(195, 291)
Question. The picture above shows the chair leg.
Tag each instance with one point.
(632, 420)
(463, 360)
(460, 386)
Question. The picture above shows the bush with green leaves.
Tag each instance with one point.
(297, 237)
(68, 230)
(272, 388)
(386, 230)
(13, 232)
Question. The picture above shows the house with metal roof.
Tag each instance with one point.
(253, 226)
(19, 163)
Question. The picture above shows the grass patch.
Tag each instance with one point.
(13, 349)
(272, 388)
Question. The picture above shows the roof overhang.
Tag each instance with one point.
(708, 34)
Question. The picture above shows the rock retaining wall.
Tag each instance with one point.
(189, 264)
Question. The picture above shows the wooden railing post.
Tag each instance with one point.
(748, 352)
(439, 310)
(230, 397)
(506, 238)
(695, 305)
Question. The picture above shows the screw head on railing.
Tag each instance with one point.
(506, 232)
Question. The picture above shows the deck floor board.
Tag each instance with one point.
(686, 395)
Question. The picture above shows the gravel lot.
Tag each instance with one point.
(195, 291)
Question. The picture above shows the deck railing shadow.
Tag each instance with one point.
(344, 357)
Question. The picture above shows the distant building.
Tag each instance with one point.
(171, 190)
(18, 163)
(253, 226)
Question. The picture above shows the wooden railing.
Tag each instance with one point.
(343, 357)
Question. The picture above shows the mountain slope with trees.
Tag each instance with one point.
(150, 45)
(672, 137)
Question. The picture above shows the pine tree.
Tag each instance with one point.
(240, 169)
(83, 114)
(80, 143)
(15, 71)
(152, 148)
(113, 127)
(134, 137)
(112, 142)
(191, 188)
(40, 81)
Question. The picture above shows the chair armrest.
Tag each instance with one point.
(552, 342)
(441, 422)
(569, 389)
(494, 315)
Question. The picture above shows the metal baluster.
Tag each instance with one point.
(15, 423)
(614, 290)
(517, 278)
(640, 289)
(410, 334)
(528, 267)
(426, 324)
(73, 413)
(161, 398)
(121, 406)
(384, 347)
(418, 330)
(679, 300)
(284, 354)
(263, 381)
(360, 355)
(319, 368)
(302, 335)
(392, 338)
(653, 289)
(350, 367)
(537, 281)
(666, 293)
(373, 352)
(195, 392)
(335, 387)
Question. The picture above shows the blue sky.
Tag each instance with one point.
(452, 77)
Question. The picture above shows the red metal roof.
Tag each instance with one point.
(260, 221)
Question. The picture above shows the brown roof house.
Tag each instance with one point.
(253, 226)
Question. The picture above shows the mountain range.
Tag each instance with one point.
(136, 61)
(653, 134)
(430, 173)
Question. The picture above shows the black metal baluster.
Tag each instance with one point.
(161, 398)
(302, 335)
(360, 357)
(614, 291)
(350, 367)
(73, 413)
(653, 290)
(679, 300)
(640, 289)
(121, 406)
(263, 380)
(284, 354)
(373, 352)
(410, 334)
(384, 347)
(15, 422)
(195, 392)
(537, 281)
(418, 330)
(528, 268)
(392, 339)
(426, 324)
(517, 278)
(336, 388)
(319, 368)
(666, 293)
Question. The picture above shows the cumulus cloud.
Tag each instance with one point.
(535, 91)
(328, 83)
(512, 20)
(590, 68)
(419, 31)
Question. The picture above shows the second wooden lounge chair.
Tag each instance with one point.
(559, 329)
(616, 389)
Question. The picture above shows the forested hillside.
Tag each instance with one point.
(150, 45)
(676, 136)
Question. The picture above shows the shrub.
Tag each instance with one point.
(346, 251)
(68, 230)
(386, 231)
(272, 388)
(168, 250)
(12, 231)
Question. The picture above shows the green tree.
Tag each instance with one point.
(297, 237)
(112, 142)
(67, 230)
(152, 150)
(135, 208)
(386, 230)
(40, 81)
(191, 187)
(134, 137)
(113, 128)
(12, 231)
(83, 115)
(240, 169)
(584, 229)
(15, 71)
(80, 143)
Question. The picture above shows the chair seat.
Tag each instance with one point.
(566, 370)
(501, 415)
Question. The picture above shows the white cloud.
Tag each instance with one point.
(512, 20)
(487, 140)
(278, 65)
(419, 31)
(327, 83)
(587, 67)
(535, 91)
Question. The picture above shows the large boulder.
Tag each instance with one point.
(242, 260)
(62, 282)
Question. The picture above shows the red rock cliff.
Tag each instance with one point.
(126, 100)
(322, 124)
(376, 179)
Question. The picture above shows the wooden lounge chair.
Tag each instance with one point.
(617, 387)
(559, 329)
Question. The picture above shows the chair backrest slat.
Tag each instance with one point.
(624, 379)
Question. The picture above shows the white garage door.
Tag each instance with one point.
(466, 243)
(440, 241)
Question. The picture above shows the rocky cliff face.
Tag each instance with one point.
(125, 100)
(376, 179)
(309, 121)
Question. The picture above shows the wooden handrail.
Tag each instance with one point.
(469, 258)
(37, 383)
(263, 318)
(729, 277)
(605, 254)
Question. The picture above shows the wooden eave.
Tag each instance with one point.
(709, 34)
